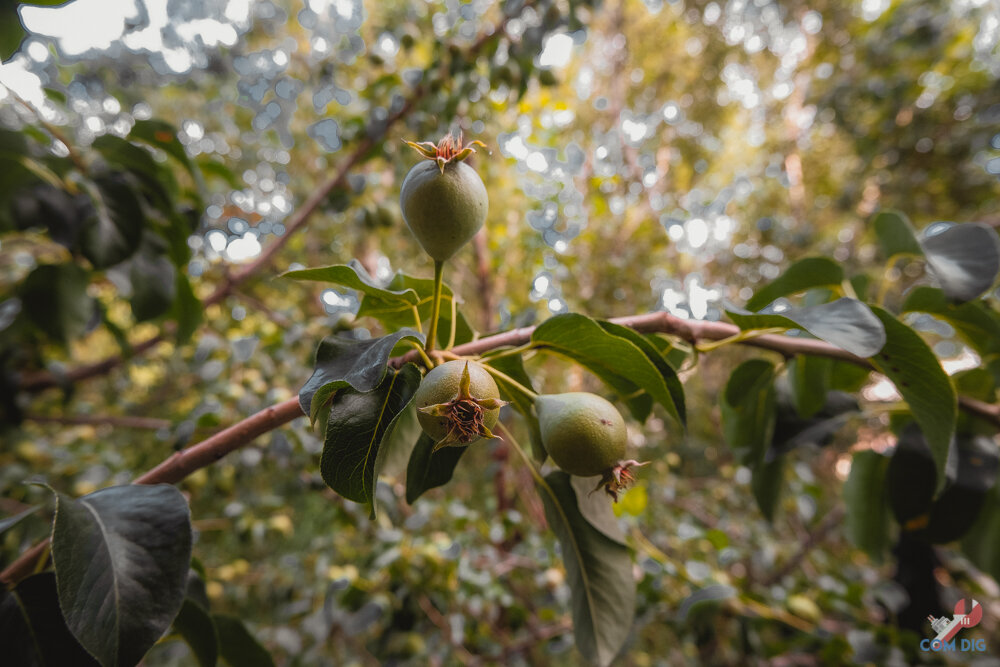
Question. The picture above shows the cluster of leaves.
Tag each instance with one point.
(118, 214)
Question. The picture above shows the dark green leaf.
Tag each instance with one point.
(154, 284)
(617, 361)
(673, 383)
(596, 508)
(965, 259)
(846, 323)
(211, 167)
(33, 632)
(162, 135)
(187, 310)
(237, 646)
(791, 430)
(895, 235)
(958, 507)
(767, 483)
(802, 275)
(428, 469)
(196, 626)
(911, 365)
(11, 521)
(599, 573)
(157, 181)
(513, 366)
(911, 478)
(358, 424)
(867, 509)
(977, 324)
(710, 595)
(54, 298)
(747, 407)
(809, 379)
(121, 557)
(982, 543)
(343, 362)
(113, 232)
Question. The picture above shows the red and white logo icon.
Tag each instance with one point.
(968, 613)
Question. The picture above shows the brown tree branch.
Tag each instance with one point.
(203, 454)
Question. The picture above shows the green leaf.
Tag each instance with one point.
(707, 597)
(867, 510)
(162, 135)
(617, 361)
(982, 543)
(358, 424)
(11, 521)
(154, 284)
(54, 298)
(596, 508)
(513, 366)
(791, 430)
(187, 310)
(196, 626)
(978, 326)
(237, 646)
(599, 573)
(895, 235)
(394, 315)
(428, 469)
(210, 167)
(846, 323)
(113, 232)
(748, 411)
(809, 379)
(767, 484)
(964, 258)
(673, 383)
(354, 276)
(33, 632)
(958, 507)
(157, 181)
(343, 362)
(121, 557)
(911, 478)
(802, 275)
(911, 365)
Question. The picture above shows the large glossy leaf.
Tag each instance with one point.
(393, 314)
(237, 646)
(911, 365)
(747, 406)
(599, 573)
(348, 362)
(673, 383)
(802, 275)
(354, 276)
(964, 258)
(895, 235)
(54, 298)
(358, 424)
(846, 323)
(513, 367)
(196, 626)
(121, 557)
(977, 324)
(33, 632)
(428, 469)
(616, 360)
(113, 232)
(867, 510)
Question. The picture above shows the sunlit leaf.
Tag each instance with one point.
(895, 235)
(802, 275)
(354, 276)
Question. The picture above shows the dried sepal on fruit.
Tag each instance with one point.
(456, 406)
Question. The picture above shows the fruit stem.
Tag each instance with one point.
(738, 338)
(509, 380)
(527, 347)
(509, 439)
(423, 355)
(435, 305)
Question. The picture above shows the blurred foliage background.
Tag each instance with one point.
(643, 156)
